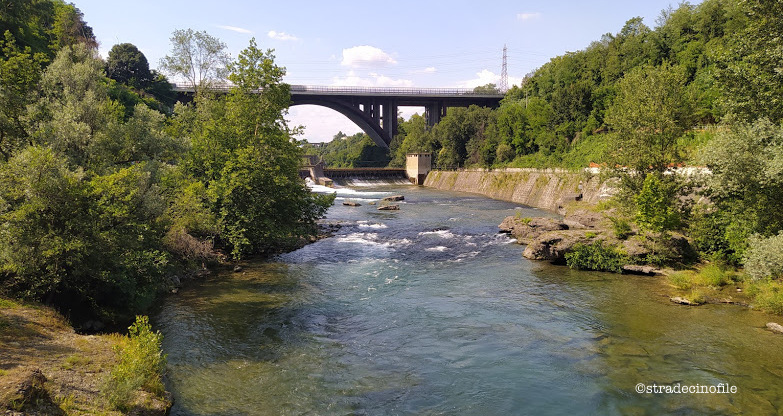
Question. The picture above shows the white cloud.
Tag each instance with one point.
(237, 29)
(528, 15)
(366, 55)
(428, 70)
(281, 35)
(373, 80)
(488, 77)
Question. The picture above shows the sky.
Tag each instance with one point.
(403, 43)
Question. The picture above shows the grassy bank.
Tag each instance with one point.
(46, 368)
(724, 284)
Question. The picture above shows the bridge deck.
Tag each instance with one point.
(364, 91)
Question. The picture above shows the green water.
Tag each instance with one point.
(428, 311)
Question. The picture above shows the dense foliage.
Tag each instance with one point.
(357, 151)
(104, 197)
(595, 256)
(639, 92)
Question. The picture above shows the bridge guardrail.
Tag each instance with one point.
(319, 89)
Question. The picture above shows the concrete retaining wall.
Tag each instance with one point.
(547, 189)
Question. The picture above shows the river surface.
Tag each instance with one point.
(429, 311)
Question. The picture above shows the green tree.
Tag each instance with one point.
(487, 89)
(746, 161)
(656, 210)
(648, 115)
(417, 138)
(197, 57)
(43, 208)
(69, 27)
(243, 150)
(20, 71)
(126, 64)
(73, 111)
(750, 71)
(45, 26)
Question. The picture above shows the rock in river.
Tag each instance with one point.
(394, 198)
(525, 230)
(389, 208)
(775, 327)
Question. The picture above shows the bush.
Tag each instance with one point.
(708, 231)
(767, 296)
(622, 228)
(140, 367)
(595, 256)
(713, 275)
(764, 257)
(682, 280)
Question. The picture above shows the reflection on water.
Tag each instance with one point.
(429, 311)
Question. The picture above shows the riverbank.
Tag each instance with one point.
(46, 368)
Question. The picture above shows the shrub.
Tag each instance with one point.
(141, 365)
(621, 227)
(682, 280)
(713, 275)
(708, 231)
(767, 296)
(764, 257)
(595, 256)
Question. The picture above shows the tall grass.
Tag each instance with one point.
(141, 365)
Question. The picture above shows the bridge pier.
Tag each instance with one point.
(433, 112)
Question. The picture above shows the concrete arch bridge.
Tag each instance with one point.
(374, 110)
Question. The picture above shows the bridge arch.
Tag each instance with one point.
(357, 115)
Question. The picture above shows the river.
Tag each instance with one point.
(429, 311)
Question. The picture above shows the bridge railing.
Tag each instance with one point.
(318, 89)
(347, 90)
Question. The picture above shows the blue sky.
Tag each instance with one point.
(370, 43)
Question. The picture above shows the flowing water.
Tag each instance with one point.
(429, 311)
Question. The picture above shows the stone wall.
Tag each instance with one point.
(548, 189)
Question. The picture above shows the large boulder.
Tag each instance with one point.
(525, 230)
(554, 245)
(583, 218)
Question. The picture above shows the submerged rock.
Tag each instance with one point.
(684, 301)
(775, 327)
(639, 269)
(389, 208)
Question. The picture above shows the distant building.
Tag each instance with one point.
(417, 166)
